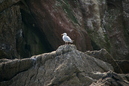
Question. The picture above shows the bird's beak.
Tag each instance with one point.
(61, 34)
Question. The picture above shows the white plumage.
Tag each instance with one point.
(66, 38)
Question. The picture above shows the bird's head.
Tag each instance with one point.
(64, 34)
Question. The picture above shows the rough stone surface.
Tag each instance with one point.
(92, 24)
(123, 64)
(31, 27)
(17, 38)
(10, 21)
(64, 67)
(57, 17)
(12, 39)
(9, 68)
(104, 24)
(84, 20)
(111, 79)
(107, 57)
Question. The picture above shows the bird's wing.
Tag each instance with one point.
(68, 39)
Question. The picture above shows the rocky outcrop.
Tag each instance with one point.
(107, 57)
(64, 67)
(30, 27)
(9, 68)
(111, 79)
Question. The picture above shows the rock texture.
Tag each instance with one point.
(107, 57)
(10, 21)
(32, 27)
(57, 17)
(18, 39)
(101, 20)
(64, 67)
(104, 24)
(111, 79)
(9, 68)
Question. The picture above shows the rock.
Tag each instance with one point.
(104, 24)
(55, 17)
(111, 79)
(35, 26)
(64, 67)
(120, 66)
(10, 24)
(125, 4)
(17, 38)
(9, 68)
(107, 57)
(4, 4)
(123, 64)
(3, 54)
(84, 20)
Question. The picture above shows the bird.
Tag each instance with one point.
(66, 38)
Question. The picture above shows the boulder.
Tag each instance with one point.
(64, 67)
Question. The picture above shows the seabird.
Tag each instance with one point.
(66, 38)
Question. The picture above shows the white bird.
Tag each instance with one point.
(66, 38)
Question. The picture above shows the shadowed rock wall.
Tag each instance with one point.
(31, 27)
(103, 22)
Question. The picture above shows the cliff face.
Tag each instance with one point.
(29, 27)
(10, 21)
(103, 22)
(91, 24)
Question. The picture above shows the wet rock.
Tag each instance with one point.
(64, 67)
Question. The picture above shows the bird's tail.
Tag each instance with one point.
(72, 41)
